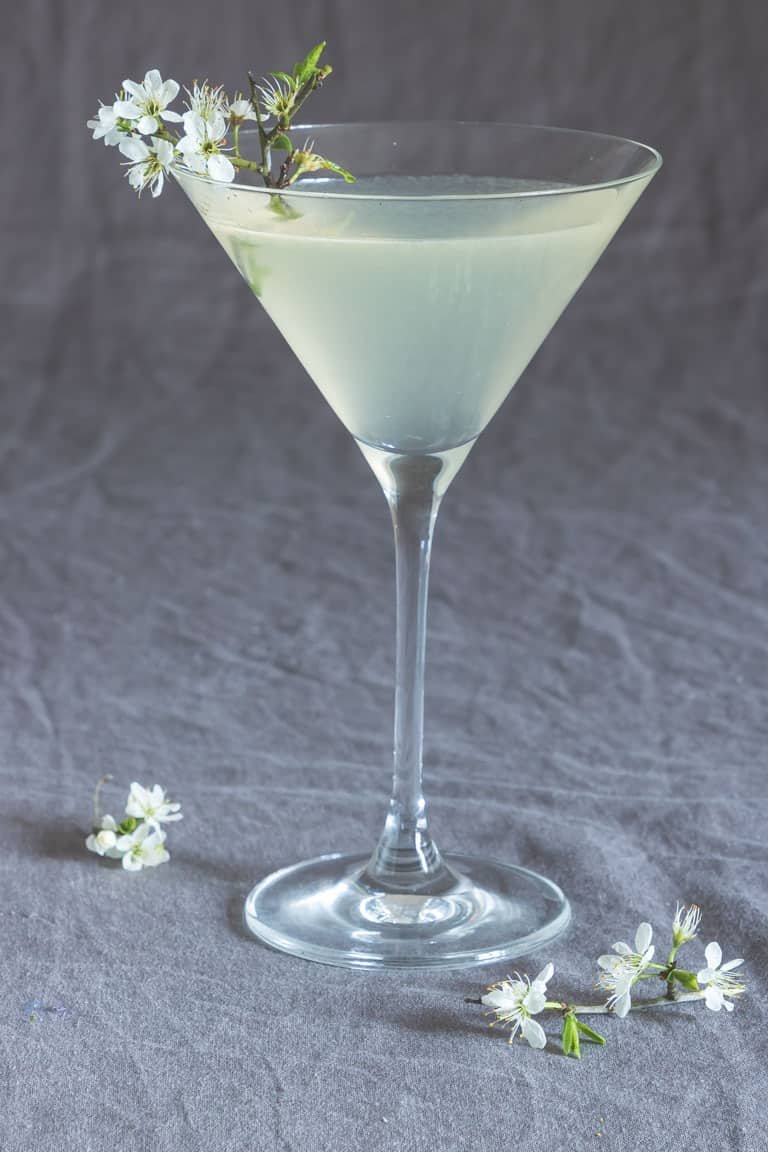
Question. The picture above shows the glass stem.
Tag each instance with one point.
(406, 859)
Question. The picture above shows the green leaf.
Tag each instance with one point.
(282, 143)
(687, 979)
(304, 70)
(571, 1046)
(337, 168)
(589, 1033)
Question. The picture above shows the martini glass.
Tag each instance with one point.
(415, 298)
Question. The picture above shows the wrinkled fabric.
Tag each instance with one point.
(196, 589)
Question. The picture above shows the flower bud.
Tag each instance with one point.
(571, 1046)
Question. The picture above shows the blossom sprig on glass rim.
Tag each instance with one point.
(138, 838)
(515, 1001)
(142, 124)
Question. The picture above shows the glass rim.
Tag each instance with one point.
(295, 190)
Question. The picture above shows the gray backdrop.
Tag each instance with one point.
(196, 588)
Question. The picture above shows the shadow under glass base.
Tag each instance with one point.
(321, 910)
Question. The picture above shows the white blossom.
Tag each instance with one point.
(149, 164)
(143, 848)
(103, 842)
(622, 970)
(307, 160)
(239, 110)
(151, 804)
(109, 125)
(148, 103)
(201, 146)
(278, 96)
(717, 983)
(516, 1002)
(685, 925)
(206, 101)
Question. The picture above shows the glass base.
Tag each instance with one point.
(321, 910)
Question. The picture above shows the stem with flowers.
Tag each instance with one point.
(515, 1002)
(138, 123)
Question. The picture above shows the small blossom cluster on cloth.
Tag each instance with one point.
(138, 840)
(35, 1010)
(514, 1002)
(139, 121)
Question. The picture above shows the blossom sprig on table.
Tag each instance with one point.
(138, 839)
(35, 1010)
(140, 122)
(515, 1001)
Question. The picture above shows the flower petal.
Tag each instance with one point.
(534, 1000)
(500, 998)
(153, 82)
(217, 126)
(194, 126)
(154, 840)
(622, 1005)
(714, 954)
(164, 152)
(643, 937)
(138, 797)
(220, 168)
(622, 949)
(731, 964)
(134, 89)
(147, 125)
(132, 862)
(126, 110)
(545, 975)
(135, 149)
(159, 856)
(534, 1033)
(175, 117)
(168, 92)
(196, 162)
(728, 1005)
(713, 998)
